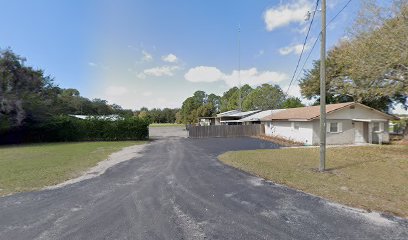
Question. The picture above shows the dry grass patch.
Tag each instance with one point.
(369, 177)
(32, 166)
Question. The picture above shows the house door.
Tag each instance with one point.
(359, 132)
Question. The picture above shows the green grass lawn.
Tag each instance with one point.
(369, 177)
(33, 166)
(166, 125)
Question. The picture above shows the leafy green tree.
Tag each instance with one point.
(216, 103)
(179, 117)
(199, 105)
(370, 67)
(29, 98)
(229, 100)
(264, 97)
(189, 109)
(101, 106)
(292, 102)
(26, 94)
(144, 115)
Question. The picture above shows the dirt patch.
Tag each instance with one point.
(280, 141)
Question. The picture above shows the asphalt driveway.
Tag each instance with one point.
(179, 190)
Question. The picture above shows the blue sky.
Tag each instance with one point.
(157, 53)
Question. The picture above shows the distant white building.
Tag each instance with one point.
(112, 117)
(256, 118)
(232, 117)
(347, 123)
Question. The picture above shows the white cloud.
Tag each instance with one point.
(115, 91)
(161, 71)
(92, 64)
(253, 77)
(295, 49)
(141, 75)
(250, 76)
(203, 74)
(147, 57)
(294, 90)
(147, 93)
(171, 58)
(293, 12)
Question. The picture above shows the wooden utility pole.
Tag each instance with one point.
(323, 128)
(239, 69)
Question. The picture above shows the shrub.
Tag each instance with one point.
(66, 128)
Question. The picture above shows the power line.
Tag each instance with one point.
(308, 56)
(317, 39)
(335, 16)
(303, 47)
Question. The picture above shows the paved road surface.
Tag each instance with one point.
(178, 190)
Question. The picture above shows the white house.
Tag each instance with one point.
(347, 123)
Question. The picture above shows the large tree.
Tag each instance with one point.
(264, 97)
(229, 100)
(29, 97)
(292, 102)
(199, 105)
(371, 66)
(26, 94)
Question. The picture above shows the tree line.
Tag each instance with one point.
(263, 97)
(157, 115)
(29, 97)
(34, 109)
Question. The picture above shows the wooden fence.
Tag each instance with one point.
(226, 131)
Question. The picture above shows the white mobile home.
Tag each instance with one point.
(232, 117)
(257, 117)
(347, 123)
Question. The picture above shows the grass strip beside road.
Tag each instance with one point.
(34, 166)
(368, 177)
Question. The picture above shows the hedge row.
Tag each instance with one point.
(66, 128)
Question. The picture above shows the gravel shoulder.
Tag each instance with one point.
(125, 154)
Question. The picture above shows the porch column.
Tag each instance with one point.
(370, 132)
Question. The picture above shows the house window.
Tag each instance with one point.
(378, 126)
(334, 127)
(295, 126)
